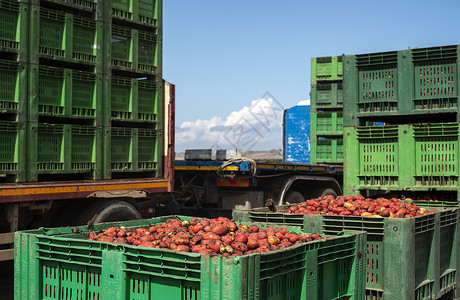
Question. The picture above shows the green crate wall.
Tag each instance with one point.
(326, 150)
(142, 12)
(46, 259)
(64, 149)
(134, 50)
(65, 37)
(419, 82)
(13, 88)
(326, 69)
(14, 20)
(133, 99)
(413, 258)
(13, 145)
(65, 93)
(402, 157)
(327, 95)
(129, 149)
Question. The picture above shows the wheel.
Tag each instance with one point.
(191, 189)
(294, 197)
(323, 192)
(108, 211)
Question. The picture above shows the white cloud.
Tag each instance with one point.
(304, 102)
(254, 127)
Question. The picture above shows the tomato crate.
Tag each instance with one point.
(64, 149)
(14, 20)
(66, 37)
(134, 50)
(13, 141)
(59, 264)
(65, 93)
(326, 150)
(327, 123)
(132, 150)
(418, 83)
(416, 157)
(142, 12)
(326, 95)
(133, 99)
(326, 69)
(13, 88)
(414, 258)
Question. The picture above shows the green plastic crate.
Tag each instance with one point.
(64, 149)
(327, 150)
(144, 12)
(413, 258)
(13, 151)
(58, 264)
(14, 18)
(132, 150)
(402, 157)
(133, 99)
(326, 96)
(13, 88)
(419, 83)
(65, 93)
(326, 69)
(135, 50)
(327, 123)
(66, 37)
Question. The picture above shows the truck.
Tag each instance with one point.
(86, 119)
(233, 182)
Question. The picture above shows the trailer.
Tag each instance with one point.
(243, 183)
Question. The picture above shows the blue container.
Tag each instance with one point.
(296, 134)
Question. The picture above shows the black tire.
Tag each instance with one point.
(323, 192)
(294, 197)
(108, 211)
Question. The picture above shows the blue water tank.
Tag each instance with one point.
(296, 134)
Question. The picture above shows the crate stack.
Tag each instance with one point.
(414, 93)
(80, 89)
(133, 87)
(326, 96)
(14, 20)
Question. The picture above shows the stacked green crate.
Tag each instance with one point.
(65, 37)
(415, 94)
(326, 110)
(60, 259)
(421, 84)
(56, 150)
(406, 258)
(133, 91)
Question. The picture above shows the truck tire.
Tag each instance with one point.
(108, 211)
(294, 197)
(323, 192)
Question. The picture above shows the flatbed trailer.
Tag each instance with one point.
(244, 183)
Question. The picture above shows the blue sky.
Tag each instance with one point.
(224, 55)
